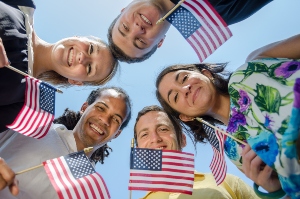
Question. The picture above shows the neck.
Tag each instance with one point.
(42, 55)
(221, 109)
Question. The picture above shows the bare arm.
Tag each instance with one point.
(7, 178)
(3, 57)
(288, 48)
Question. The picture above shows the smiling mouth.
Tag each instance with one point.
(98, 130)
(195, 95)
(70, 58)
(145, 19)
(160, 148)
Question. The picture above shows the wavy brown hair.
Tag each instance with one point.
(197, 131)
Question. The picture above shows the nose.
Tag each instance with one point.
(137, 29)
(105, 119)
(83, 58)
(186, 90)
(155, 138)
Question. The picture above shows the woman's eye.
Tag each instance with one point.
(91, 49)
(88, 69)
(176, 97)
(100, 108)
(163, 129)
(184, 78)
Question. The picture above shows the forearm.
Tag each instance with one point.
(288, 48)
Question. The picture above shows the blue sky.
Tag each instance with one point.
(58, 19)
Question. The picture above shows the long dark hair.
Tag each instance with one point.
(70, 118)
(197, 131)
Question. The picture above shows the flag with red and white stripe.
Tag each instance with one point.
(37, 114)
(73, 176)
(161, 170)
(201, 25)
(218, 164)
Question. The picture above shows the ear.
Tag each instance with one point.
(183, 140)
(161, 42)
(74, 82)
(119, 132)
(207, 73)
(84, 106)
(185, 118)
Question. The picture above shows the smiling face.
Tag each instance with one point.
(155, 131)
(101, 120)
(135, 31)
(189, 92)
(81, 59)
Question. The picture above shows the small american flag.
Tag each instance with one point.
(157, 170)
(201, 25)
(73, 176)
(37, 114)
(218, 164)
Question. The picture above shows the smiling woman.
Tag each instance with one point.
(70, 61)
(258, 103)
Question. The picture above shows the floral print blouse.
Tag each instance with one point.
(265, 112)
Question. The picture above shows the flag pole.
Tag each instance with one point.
(25, 74)
(131, 145)
(222, 131)
(166, 15)
(86, 150)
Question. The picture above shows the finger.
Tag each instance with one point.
(14, 189)
(7, 175)
(246, 149)
(3, 183)
(3, 58)
(247, 158)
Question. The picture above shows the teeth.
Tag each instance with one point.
(160, 148)
(97, 129)
(146, 20)
(70, 59)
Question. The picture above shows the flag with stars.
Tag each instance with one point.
(73, 176)
(201, 25)
(218, 164)
(161, 170)
(37, 114)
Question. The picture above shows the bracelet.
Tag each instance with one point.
(276, 194)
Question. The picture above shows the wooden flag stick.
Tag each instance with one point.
(25, 74)
(86, 150)
(131, 145)
(222, 131)
(166, 15)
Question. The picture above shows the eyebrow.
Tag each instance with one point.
(108, 108)
(170, 91)
(133, 42)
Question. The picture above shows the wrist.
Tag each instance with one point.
(275, 194)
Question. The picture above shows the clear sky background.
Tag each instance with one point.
(57, 19)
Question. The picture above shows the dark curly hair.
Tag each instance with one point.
(70, 118)
(197, 131)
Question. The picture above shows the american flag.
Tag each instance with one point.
(218, 164)
(73, 176)
(37, 114)
(201, 25)
(161, 170)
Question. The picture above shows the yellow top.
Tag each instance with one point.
(205, 187)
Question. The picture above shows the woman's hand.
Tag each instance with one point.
(3, 57)
(255, 169)
(7, 178)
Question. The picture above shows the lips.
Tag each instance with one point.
(97, 129)
(71, 56)
(146, 20)
(196, 93)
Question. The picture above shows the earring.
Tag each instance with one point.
(212, 80)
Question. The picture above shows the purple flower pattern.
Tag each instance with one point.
(244, 101)
(287, 69)
(236, 119)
